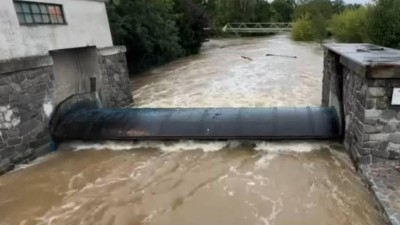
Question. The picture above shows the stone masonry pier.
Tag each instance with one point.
(360, 81)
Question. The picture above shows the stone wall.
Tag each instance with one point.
(372, 125)
(28, 96)
(25, 105)
(115, 90)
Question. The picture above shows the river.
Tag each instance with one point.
(190, 182)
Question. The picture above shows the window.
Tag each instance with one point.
(39, 13)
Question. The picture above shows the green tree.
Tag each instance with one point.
(319, 25)
(303, 29)
(263, 11)
(283, 10)
(350, 26)
(384, 23)
(192, 21)
(338, 6)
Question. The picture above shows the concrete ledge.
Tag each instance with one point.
(20, 64)
(369, 61)
(112, 50)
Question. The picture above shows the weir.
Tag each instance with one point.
(81, 118)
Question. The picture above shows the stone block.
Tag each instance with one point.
(394, 155)
(376, 91)
(382, 103)
(394, 138)
(380, 154)
(372, 113)
(28, 126)
(4, 81)
(371, 121)
(371, 144)
(373, 129)
(14, 141)
(5, 166)
(383, 145)
(365, 159)
(382, 137)
(388, 114)
(370, 103)
(390, 128)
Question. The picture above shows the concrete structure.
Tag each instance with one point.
(360, 81)
(49, 51)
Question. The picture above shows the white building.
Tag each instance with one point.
(35, 27)
(73, 32)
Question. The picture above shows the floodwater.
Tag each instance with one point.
(189, 182)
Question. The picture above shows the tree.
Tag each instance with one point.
(192, 21)
(383, 23)
(283, 10)
(338, 6)
(147, 28)
(319, 24)
(350, 26)
(263, 11)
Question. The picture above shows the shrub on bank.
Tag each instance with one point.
(350, 26)
(303, 29)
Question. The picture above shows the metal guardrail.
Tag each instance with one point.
(257, 27)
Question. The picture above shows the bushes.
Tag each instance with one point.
(155, 31)
(303, 29)
(384, 23)
(350, 26)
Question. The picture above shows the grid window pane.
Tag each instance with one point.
(28, 18)
(52, 10)
(60, 19)
(46, 18)
(43, 9)
(39, 13)
(25, 8)
(18, 7)
(53, 19)
(21, 18)
(38, 18)
(35, 8)
(58, 10)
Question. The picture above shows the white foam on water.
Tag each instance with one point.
(290, 146)
(178, 146)
(206, 146)
(32, 163)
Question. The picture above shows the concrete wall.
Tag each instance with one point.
(73, 69)
(87, 25)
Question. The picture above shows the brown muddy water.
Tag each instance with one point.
(189, 182)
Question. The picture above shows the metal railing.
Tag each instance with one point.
(257, 27)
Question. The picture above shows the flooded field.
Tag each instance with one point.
(190, 182)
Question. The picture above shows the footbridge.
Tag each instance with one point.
(81, 117)
(258, 28)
